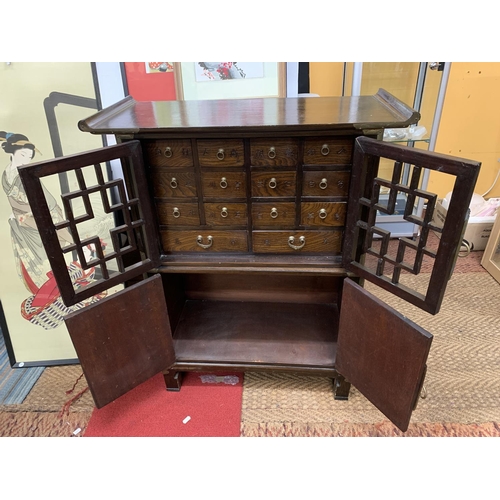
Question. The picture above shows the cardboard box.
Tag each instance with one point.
(477, 232)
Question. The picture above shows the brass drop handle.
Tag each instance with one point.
(176, 212)
(274, 212)
(224, 213)
(220, 154)
(173, 183)
(323, 184)
(223, 183)
(199, 241)
(168, 152)
(291, 241)
(273, 183)
(322, 214)
(325, 150)
(272, 153)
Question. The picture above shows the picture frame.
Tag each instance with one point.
(199, 81)
(491, 257)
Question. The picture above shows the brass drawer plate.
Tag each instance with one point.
(168, 184)
(274, 153)
(178, 214)
(323, 213)
(273, 184)
(226, 214)
(328, 151)
(224, 184)
(266, 214)
(221, 153)
(297, 241)
(204, 240)
(171, 153)
(325, 183)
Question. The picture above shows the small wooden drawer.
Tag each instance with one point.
(328, 151)
(325, 183)
(323, 213)
(221, 153)
(168, 184)
(265, 184)
(171, 153)
(266, 214)
(297, 241)
(226, 214)
(274, 153)
(204, 241)
(178, 214)
(224, 184)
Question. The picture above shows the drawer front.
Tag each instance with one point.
(168, 184)
(204, 241)
(323, 214)
(325, 183)
(274, 153)
(266, 214)
(224, 184)
(226, 214)
(178, 214)
(297, 241)
(175, 153)
(280, 184)
(221, 153)
(328, 151)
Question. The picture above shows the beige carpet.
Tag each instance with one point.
(462, 383)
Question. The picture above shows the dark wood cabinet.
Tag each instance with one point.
(244, 232)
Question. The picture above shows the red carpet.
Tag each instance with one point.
(150, 411)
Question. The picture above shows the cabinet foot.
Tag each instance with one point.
(173, 380)
(341, 388)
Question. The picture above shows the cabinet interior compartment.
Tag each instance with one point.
(243, 319)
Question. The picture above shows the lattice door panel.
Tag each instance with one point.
(372, 252)
(100, 232)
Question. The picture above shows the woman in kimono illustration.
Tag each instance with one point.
(44, 306)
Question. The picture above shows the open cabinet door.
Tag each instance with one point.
(368, 250)
(101, 234)
(382, 353)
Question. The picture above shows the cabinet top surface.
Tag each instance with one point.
(128, 116)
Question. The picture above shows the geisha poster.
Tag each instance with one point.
(32, 307)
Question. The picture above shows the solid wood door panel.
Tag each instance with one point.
(382, 353)
(123, 340)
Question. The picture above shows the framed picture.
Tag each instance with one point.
(491, 256)
(229, 80)
(150, 81)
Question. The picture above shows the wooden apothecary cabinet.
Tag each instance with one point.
(245, 229)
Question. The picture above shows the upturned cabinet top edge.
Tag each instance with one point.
(128, 116)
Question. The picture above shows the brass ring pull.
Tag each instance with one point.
(325, 150)
(273, 183)
(168, 152)
(291, 241)
(274, 213)
(176, 213)
(423, 392)
(173, 183)
(224, 213)
(220, 154)
(323, 184)
(223, 183)
(272, 153)
(322, 214)
(199, 241)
